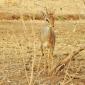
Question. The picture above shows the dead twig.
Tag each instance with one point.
(65, 61)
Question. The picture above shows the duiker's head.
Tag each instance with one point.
(49, 17)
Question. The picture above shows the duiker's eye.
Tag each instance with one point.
(47, 20)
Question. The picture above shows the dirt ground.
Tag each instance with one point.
(20, 48)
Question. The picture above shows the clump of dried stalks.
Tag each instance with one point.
(59, 75)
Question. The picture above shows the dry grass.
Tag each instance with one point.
(17, 45)
(21, 62)
(9, 9)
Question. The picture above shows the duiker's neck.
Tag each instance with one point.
(48, 25)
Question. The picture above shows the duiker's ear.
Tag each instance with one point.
(52, 12)
(45, 11)
(43, 14)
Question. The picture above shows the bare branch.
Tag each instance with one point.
(64, 62)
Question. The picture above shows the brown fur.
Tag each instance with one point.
(49, 36)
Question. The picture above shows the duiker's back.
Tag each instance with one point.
(47, 33)
(47, 36)
(44, 33)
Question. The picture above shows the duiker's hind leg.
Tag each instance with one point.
(51, 53)
(50, 58)
(42, 50)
